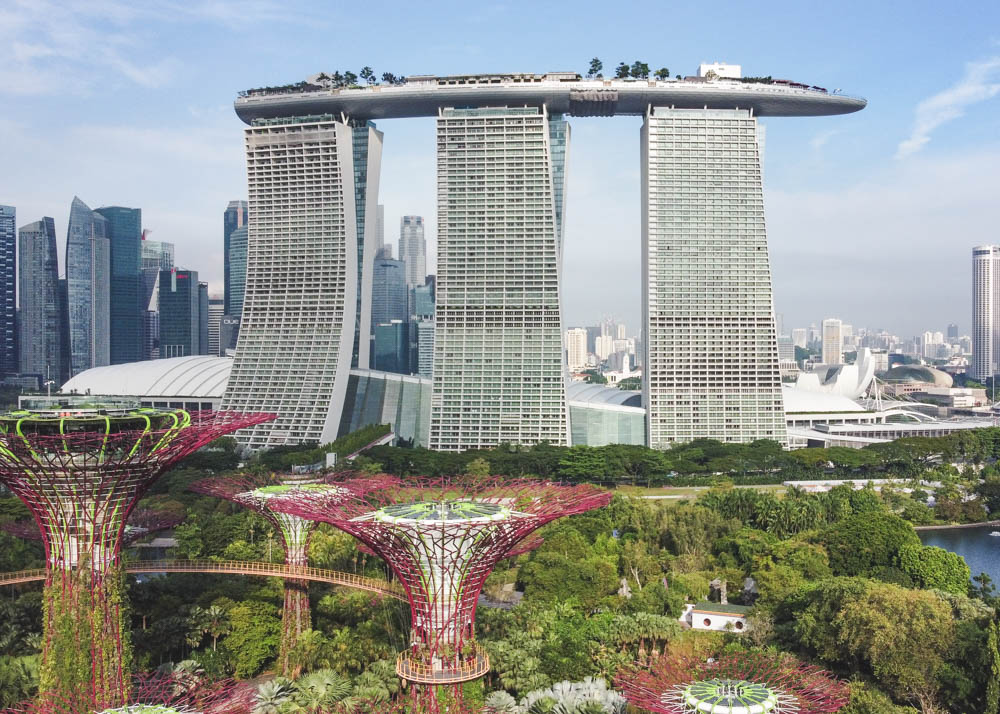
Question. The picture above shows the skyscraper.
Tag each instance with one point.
(413, 249)
(216, 308)
(41, 318)
(88, 288)
(203, 329)
(233, 218)
(799, 337)
(952, 333)
(711, 362)
(498, 356)
(180, 313)
(392, 347)
(389, 295)
(985, 310)
(576, 348)
(370, 236)
(155, 256)
(126, 293)
(833, 341)
(300, 310)
(236, 270)
(8, 291)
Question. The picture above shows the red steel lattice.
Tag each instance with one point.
(81, 472)
(809, 689)
(141, 523)
(442, 537)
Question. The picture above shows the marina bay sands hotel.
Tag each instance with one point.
(313, 162)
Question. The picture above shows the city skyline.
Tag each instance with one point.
(831, 184)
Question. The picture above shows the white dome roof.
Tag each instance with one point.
(197, 376)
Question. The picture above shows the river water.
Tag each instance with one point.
(980, 550)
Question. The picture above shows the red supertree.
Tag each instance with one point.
(141, 523)
(159, 693)
(81, 472)
(257, 492)
(442, 537)
(754, 681)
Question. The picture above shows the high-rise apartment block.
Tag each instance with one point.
(576, 348)
(126, 291)
(498, 363)
(8, 290)
(711, 363)
(41, 343)
(833, 341)
(234, 256)
(300, 311)
(985, 311)
(88, 288)
(413, 249)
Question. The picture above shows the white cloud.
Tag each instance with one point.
(821, 139)
(980, 82)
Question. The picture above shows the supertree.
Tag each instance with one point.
(141, 523)
(442, 537)
(160, 693)
(257, 492)
(754, 682)
(81, 472)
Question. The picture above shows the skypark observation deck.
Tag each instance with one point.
(560, 93)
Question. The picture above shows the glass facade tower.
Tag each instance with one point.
(88, 288)
(234, 218)
(180, 314)
(367, 169)
(125, 240)
(498, 367)
(711, 354)
(41, 318)
(413, 249)
(236, 267)
(301, 304)
(8, 291)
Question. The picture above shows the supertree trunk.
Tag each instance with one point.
(81, 473)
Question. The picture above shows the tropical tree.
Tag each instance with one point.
(662, 73)
(595, 68)
(319, 691)
(622, 70)
(308, 652)
(639, 70)
(368, 75)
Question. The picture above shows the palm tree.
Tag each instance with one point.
(307, 654)
(320, 691)
(216, 621)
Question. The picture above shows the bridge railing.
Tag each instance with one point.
(237, 567)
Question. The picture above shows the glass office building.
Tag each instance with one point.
(88, 288)
(126, 292)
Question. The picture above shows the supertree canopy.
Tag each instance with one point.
(749, 683)
(257, 492)
(442, 537)
(141, 523)
(81, 472)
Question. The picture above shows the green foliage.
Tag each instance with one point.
(18, 679)
(253, 638)
(478, 467)
(993, 677)
(935, 568)
(865, 542)
(284, 457)
(866, 699)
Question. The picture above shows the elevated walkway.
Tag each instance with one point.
(277, 570)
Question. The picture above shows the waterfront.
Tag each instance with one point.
(980, 550)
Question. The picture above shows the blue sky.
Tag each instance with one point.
(871, 216)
